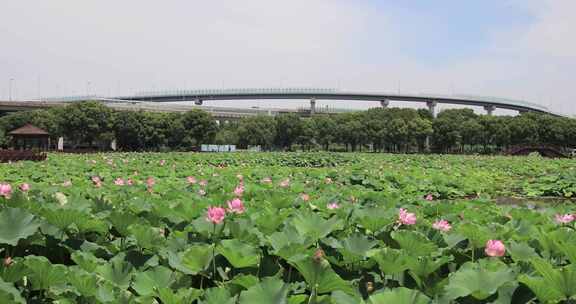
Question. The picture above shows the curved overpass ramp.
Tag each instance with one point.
(199, 96)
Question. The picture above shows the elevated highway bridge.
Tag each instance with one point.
(160, 101)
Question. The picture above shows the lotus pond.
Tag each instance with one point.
(290, 228)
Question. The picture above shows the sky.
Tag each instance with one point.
(521, 49)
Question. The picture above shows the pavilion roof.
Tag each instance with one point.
(28, 129)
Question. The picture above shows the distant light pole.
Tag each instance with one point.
(88, 88)
(10, 89)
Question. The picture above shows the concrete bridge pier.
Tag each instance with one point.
(384, 103)
(198, 102)
(312, 106)
(431, 104)
(490, 109)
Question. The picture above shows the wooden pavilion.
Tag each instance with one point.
(30, 137)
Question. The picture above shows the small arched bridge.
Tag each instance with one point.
(546, 151)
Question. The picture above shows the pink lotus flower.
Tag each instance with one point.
(564, 218)
(119, 182)
(429, 197)
(191, 180)
(67, 183)
(266, 180)
(333, 205)
(215, 215)
(5, 190)
(130, 182)
(406, 218)
(285, 183)
(162, 162)
(7, 261)
(495, 248)
(97, 181)
(442, 225)
(202, 192)
(24, 187)
(150, 182)
(203, 183)
(305, 197)
(239, 190)
(236, 206)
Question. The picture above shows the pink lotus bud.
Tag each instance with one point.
(191, 180)
(215, 215)
(150, 182)
(495, 248)
(162, 162)
(7, 261)
(202, 192)
(119, 182)
(564, 218)
(236, 206)
(406, 218)
(285, 183)
(429, 197)
(442, 225)
(5, 190)
(203, 183)
(333, 205)
(239, 190)
(305, 197)
(318, 255)
(24, 187)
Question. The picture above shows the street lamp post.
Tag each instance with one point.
(10, 89)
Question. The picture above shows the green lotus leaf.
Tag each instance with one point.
(390, 261)
(400, 295)
(117, 271)
(217, 295)
(521, 251)
(43, 274)
(355, 247)
(270, 291)
(85, 283)
(480, 280)
(192, 261)
(16, 224)
(13, 272)
(146, 237)
(9, 294)
(314, 226)
(339, 297)
(415, 243)
(184, 295)
(554, 283)
(239, 254)
(319, 274)
(147, 282)
(86, 260)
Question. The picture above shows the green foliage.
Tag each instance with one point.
(145, 244)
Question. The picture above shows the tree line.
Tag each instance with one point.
(380, 129)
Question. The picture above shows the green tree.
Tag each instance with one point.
(87, 122)
(288, 129)
(257, 130)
